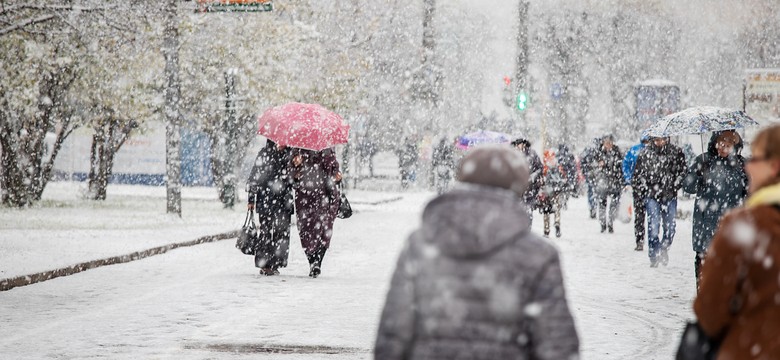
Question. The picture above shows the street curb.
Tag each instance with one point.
(24, 280)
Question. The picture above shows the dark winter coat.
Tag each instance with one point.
(474, 283)
(659, 172)
(555, 183)
(738, 296)
(569, 165)
(535, 177)
(607, 171)
(317, 197)
(588, 161)
(719, 184)
(270, 184)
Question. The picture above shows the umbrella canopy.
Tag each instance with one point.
(470, 140)
(305, 126)
(699, 120)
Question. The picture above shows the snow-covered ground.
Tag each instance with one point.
(209, 302)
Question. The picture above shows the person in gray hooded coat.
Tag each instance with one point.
(473, 282)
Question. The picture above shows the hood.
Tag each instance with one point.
(712, 150)
(473, 220)
(769, 195)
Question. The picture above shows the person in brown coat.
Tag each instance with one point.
(739, 298)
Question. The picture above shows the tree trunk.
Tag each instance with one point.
(106, 142)
(25, 174)
(171, 109)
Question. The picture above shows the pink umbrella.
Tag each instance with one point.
(305, 126)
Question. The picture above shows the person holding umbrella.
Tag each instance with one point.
(317, 198)
(312, 131)
(738, 297)
(535, 177)
(271, 197)
(719, 181)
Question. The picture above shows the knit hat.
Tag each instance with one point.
(495, 165)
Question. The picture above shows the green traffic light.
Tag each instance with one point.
(522, 101)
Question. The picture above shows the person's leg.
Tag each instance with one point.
(592, 206)
(669, 211)
(613, 208)
(602, 203)
(639, 221)
(559, 200)
(264, 232)
(546, 218)
(653, 227)
(697, 262)
(282, 239)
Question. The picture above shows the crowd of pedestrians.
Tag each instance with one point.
(737, 253)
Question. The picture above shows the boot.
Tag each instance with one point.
(558, 231)
(603, 228)
(640, 244)
(610, 229)
(314, 271)
(592, 213)
(664, 257)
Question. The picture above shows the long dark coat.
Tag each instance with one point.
(659, 172)
(317, 198)
(270, 185)
(719, 184)
(474, 283)
(740, 281)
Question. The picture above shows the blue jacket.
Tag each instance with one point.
(629, 162)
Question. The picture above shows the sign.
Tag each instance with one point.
(235, 5)
(762, 95)
(556, 91)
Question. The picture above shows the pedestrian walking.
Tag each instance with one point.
(408, 156)
(659, 173)
(535, 178)
(629, 164)
(317, 198)
(270, 189)
(719, 181)
(553, 195)
(737, 300)
(588, 165)
(608, 174)
(492, 289)
(443, 164)
(568, 163)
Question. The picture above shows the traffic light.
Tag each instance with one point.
(522, 101)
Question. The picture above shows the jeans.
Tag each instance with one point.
(604, 219)
(656, 213)
(592, 205)
(639, 218)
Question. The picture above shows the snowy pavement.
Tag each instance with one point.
(208, 301)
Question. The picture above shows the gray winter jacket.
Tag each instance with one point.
(474, 283)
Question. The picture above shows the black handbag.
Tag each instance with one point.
(696, 345)
(345, 209)
(248, 236)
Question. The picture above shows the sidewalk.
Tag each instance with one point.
(64, 234)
